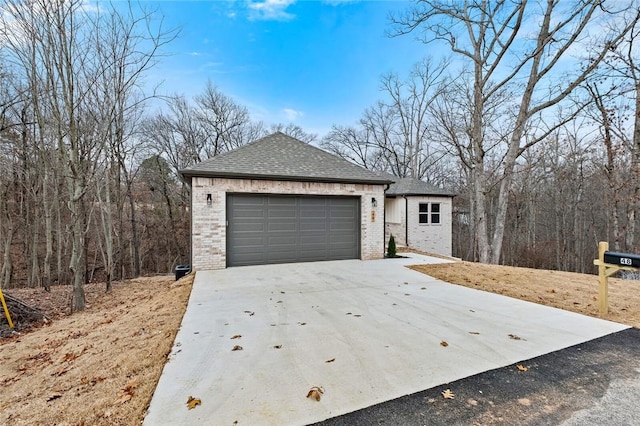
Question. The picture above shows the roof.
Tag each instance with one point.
(282, 157)
(411, 186)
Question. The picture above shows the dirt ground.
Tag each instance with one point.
(101, 366)
(97, 367)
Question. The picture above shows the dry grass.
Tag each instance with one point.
(564, 290)
(99, 366)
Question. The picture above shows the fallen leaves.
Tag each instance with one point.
(236, 336)
(447, 394)
(330, 360)
(193, 402)
(236, 348)
(251, 313)
(444, 344)
(522, 367)
(475, 333)
(127, 393)
(277, 346)
(514, 337)
(315, 392)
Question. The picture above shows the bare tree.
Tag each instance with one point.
(504, 53)
(295, 131)
(394, 134)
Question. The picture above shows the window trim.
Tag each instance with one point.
(427, 216)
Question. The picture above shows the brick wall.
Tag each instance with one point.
(433, 238)
(208, 222)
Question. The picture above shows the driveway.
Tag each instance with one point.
(364, 331)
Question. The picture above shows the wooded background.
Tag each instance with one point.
(532, 117)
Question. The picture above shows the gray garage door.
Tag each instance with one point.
(281, 229)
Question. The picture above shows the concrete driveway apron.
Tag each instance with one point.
(364, 331)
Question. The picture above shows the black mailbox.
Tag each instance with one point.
(622, 259)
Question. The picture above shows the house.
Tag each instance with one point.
(279, 200)
(419, 215)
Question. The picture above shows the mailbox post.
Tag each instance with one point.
(608, 263)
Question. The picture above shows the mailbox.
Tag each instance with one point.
(622, 259)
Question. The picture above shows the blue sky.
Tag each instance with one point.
(313, 63)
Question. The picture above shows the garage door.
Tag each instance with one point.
(281, 229)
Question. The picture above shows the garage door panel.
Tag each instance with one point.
(278, 229)
(312, 225)
(248, 227)
(281, 212)
(249, 241)
(281, 226)
(282, 240)
(315, 238)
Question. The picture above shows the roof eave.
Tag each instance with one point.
(422, 194)
(195, 173)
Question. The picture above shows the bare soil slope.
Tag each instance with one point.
(564, 290)
(99, 366)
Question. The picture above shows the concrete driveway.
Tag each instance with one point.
(364, 331)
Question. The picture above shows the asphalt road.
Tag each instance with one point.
(593, 383)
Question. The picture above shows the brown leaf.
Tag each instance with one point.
(70, 356)
(514, 337)
(277, 347)
(315, 392)
(54, 397)
(237, 348)
(124, 397)
(444, 344)
(447, 394)
(236, 336)
(132, 384)
(193, 402)
(62, 370)
(330, 360)
(522, 367)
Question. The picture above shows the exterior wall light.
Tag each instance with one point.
(374, 203)
(209, 199)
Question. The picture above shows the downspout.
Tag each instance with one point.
(406, 220)
(384, 219)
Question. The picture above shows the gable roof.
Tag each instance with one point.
(282, 157)
(411, 186)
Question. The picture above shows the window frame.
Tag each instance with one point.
(427, 215)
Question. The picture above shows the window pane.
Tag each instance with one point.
(423, 218)
(423, 208)
(435, 208)
(435, 218)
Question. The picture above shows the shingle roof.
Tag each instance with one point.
(282, 157)
(410, 186)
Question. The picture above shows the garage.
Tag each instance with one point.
(264, 229)
(281, 200)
